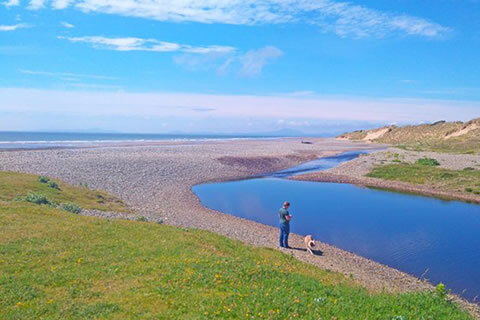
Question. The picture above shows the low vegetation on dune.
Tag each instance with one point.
(426, 171)
(441, 136)
(59, 265)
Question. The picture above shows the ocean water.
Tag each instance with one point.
(422, 236)
(40, 140)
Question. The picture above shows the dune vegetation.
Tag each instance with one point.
(441, 136)
(55, 264)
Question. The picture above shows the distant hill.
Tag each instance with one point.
(442, 136)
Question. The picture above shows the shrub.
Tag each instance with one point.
(468, 169)
(441, 290)
(447, 175)
(53, 185)
(141, 219)
(468, 189)
(428, 162)
(43, 179)
(37, 198)
(71, 207)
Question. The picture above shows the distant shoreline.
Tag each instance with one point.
(87, 144)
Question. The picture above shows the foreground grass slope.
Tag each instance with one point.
(450, 137)
(58, 265)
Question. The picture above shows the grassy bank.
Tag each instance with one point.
(461, 181)
(59, 265)
(18, 186)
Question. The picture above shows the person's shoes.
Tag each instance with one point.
(288, 247)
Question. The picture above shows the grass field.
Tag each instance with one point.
(59, 265)
(462, 181)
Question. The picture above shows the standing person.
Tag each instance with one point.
(285, 218)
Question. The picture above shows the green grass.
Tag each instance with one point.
(428, 162)
(463, 181)
(58, 265)
(19, 185)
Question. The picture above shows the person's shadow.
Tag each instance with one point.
(315, 252)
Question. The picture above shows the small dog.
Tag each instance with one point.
(309, 243)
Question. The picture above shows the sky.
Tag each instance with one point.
(236, 66)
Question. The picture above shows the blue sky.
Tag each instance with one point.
(236, 66)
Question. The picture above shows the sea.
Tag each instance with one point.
(47, 140)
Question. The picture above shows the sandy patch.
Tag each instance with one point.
(465, 130)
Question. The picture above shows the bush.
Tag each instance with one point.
(53, 185)
(428, 162)
(441, 290)
(37, 198)
(71, 207)
(141, 219)
(468, 189)
(447, 175)
(469, 169)
(43, 179)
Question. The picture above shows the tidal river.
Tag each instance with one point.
(436, 239)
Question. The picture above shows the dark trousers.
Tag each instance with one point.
(284, 231)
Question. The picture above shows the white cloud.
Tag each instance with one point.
(221, 58)
(67, 75)
(246, 64)
(117, 103)
(203, 62)
(140, 44)
(254, 60)
(342, 18)
(67, 25)
(36, 4)
(12, 27)
(61, 4)
(11, 3)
